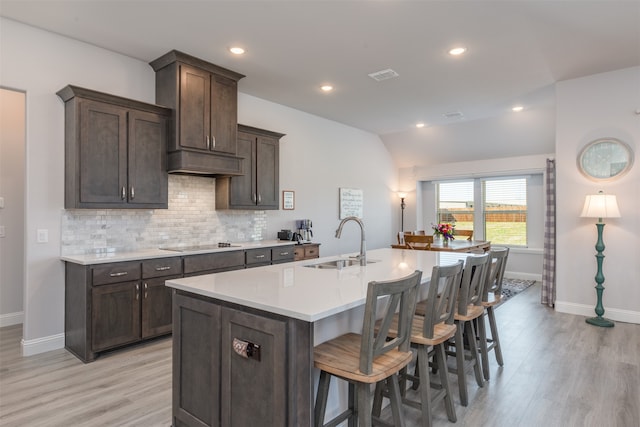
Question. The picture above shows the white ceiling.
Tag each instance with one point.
(517, 50)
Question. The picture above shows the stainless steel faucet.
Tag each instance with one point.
(363, 247)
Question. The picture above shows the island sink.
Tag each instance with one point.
(337, 264)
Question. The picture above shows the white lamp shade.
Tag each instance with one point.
(600, 206)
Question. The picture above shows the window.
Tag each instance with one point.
(504, 211)
(495, 208)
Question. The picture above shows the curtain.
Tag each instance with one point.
(548, 296)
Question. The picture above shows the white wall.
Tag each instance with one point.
(12, 190)
(317, 157)
(602, 105)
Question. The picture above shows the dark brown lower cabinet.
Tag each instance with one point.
(234, 366)
(156, 307)
(115, 315)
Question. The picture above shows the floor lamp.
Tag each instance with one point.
(402, 206)
(600, 206)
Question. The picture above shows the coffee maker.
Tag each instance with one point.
(304, 229)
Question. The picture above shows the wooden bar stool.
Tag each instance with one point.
(372, 357)
(466, 233)
(491, 296)
(431, 332)
(464, 346)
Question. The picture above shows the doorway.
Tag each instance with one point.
(12, 205)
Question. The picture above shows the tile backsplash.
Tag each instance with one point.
(191, 219)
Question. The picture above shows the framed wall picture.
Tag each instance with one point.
(288, 200)
(351, 202)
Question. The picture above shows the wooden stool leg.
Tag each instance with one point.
(396, 401)
(364, 402)
(353, 404)
(425, 386)
(441, 360)
(473, 347)
(377, 398)
(462, 383)
(321, 399)
(484, 350)
(494, 335)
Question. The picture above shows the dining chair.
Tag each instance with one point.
(370, 357)
(429, 334)
(414, 241)
(491, 297)
(464, 345)
(467, 233)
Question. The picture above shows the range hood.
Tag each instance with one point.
(203, 163)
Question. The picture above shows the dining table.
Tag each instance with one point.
(461, 245)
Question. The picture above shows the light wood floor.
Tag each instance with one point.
(559, 371)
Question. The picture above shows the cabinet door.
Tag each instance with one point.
(115, 315)
(196, 362)
(195, 107)
(147, 160)
(156, 307)
(267, 172)
(255, 387)
(242, 191)
(102, 154)
(224, 114)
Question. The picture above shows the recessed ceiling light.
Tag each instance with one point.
(326, 88)
(457, 51)
(236, 50)
(517, 108)
(420, 125)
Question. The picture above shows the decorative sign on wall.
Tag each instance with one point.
(288, 200)
(350, 202)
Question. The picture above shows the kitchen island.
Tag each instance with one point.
(243, 340)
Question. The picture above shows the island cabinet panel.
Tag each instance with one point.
(253, 371)
(115, 151)
(259, 186)
(235, 366)
(213, 262)
(196, 362)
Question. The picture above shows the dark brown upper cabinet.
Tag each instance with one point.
(259, 186)
(115, 151)
(205, 102)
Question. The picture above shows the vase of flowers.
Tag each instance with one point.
(444, 231)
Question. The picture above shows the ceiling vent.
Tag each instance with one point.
(383, 75)
(454, 115)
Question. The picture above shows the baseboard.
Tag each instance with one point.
(10, 319)
(523, 276)
(42, 345)
(626, 316)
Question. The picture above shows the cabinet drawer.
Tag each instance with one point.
(214, 261)
(161, 267)
(282, 253)
(258, 256)
(311, 252)
(114, 273)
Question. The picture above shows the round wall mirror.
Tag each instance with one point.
(604, 159)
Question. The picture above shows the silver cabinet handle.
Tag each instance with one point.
(137, 291)
(208, 144)
(259, 198)
(118, 274)
(259, 256)
(284, 253)
(165, 268)
(123, 193)
(253, 198)
(146, 288)
(213, 141)
(133, 193)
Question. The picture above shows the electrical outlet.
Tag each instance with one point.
(43, 235)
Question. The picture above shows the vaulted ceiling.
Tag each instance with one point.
(516, 52)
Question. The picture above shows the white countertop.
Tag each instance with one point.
(106, 257)
(311, 294)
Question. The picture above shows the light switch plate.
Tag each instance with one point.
(2, 233)
(43, 235)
